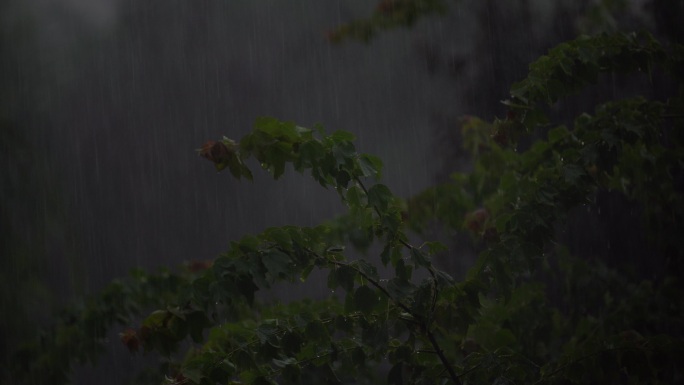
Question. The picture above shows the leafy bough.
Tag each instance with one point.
(291, 253)
(494, 326)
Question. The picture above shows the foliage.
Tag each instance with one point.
(526, 312)
(388, 14)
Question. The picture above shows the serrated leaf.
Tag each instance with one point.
(267, 330)
(370, 165)
(277, 263)
(343, 152)
(380, 196)
(355, 197)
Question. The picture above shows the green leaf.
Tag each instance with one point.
(355, 197)
(346, 276)
(343, 152)
(443, 278)
(435, 247)
(400, 288)
(342, 136)
(342, 179)
(279, 235)
(402, 271)
(310, 154)
(366, 268)
(380, 196)
(420, 258)
(277, 263)
(278, 129)
(557, 134)
(370, 165)
(316, 331)
(342, 276)
(267, 331)
(193, 369)
(572, 173)
(197, 321)
(305, 272)
(365, 299)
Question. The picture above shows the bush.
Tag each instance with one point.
(528, 311)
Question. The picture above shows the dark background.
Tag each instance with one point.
(103, 104)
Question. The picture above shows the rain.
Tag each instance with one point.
(105, 103)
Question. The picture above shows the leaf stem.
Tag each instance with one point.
(423, 326)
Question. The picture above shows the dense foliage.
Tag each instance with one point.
(528, 311)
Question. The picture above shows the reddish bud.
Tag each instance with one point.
(592, 170)
(334, 36)
(476, 220)
(502, 134)
(216, 152)
(195, 266)
(386, 6)
(130, 338)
